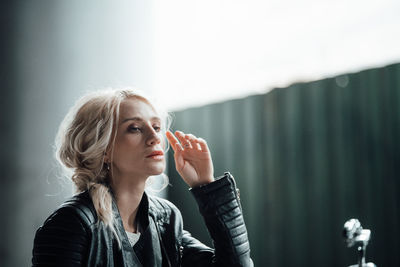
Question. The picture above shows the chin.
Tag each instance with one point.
(155, 167)
(157, 171)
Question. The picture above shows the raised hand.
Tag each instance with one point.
(192, 158)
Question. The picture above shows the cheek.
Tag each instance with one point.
(163, 142)
(125, 145)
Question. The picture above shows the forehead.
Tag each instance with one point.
(134, 107)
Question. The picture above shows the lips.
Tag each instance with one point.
(155, 153)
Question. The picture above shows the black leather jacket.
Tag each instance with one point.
(72, 235)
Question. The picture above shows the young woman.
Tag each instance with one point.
(113, 141)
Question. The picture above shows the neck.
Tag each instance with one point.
(128, 193)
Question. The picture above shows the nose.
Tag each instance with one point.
(153, 138)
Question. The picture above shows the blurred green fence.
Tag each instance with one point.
(306, 159)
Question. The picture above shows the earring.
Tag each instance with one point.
(108, 166)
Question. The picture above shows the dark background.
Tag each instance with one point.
(306, 159)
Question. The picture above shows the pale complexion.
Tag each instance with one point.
(138, 154)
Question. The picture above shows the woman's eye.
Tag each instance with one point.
(157, 128)
(134, 129)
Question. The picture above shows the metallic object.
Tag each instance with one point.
(355, 235)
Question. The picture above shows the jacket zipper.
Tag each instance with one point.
(162, 243)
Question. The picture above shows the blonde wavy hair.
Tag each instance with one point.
(89, 130)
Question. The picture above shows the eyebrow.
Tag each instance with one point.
(140, 119)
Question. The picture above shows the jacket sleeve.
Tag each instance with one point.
(220, 207)
(61, 241)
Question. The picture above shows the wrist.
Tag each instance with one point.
(202, 182)
(216, 193)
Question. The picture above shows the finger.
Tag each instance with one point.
(172, 140)
(176, 146)
(181, 137)
(203, 144)
(193, 141)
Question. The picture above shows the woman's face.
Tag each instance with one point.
(138, 148)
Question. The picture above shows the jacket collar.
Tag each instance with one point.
(146, 210)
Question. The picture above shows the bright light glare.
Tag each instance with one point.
(210, 50)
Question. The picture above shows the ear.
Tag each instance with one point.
(106, 158)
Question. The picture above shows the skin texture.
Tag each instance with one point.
(135, 140)
(138, 135)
